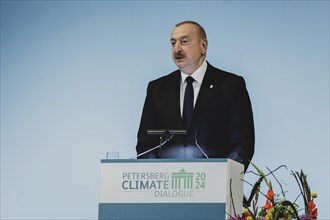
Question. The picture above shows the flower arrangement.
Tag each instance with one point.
(276, 206)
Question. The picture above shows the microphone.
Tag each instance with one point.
(163, 131)
(199, 146)
(154, 148)
(166, 136)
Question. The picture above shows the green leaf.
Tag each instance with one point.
(262, 175)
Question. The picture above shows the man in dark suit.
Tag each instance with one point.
(213, 106)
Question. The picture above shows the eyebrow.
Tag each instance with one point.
(180, 38)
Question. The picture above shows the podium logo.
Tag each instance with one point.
(177, 184)
(183, 179)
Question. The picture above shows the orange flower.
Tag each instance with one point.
(268, 205)
(270, 197)
(311, 205)
(312, 209)
(270, 194)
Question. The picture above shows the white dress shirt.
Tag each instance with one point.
(198, 76)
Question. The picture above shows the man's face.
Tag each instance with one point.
(188, 49)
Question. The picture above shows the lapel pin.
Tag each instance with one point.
(211, 86)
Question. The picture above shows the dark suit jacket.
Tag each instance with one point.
(222, 121)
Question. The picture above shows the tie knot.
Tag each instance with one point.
(189, 80)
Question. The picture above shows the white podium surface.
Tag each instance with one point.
(170, 189)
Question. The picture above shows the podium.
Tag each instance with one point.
(170, 189)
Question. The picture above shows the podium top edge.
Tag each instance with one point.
(163, 160)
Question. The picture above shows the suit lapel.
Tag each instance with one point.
(175, 95)
(207, 89)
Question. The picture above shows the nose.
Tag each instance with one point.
(177, 47)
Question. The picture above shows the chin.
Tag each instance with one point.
(180, 64)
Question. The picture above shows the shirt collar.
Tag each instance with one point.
(198, 75)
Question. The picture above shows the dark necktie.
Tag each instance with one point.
(188, 104)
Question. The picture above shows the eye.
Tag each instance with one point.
(172, 42)
(184, 41)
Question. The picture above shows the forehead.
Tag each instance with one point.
(184, 30)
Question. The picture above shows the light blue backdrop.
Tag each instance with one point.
(74, 76)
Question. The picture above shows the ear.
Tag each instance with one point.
(204, 46)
